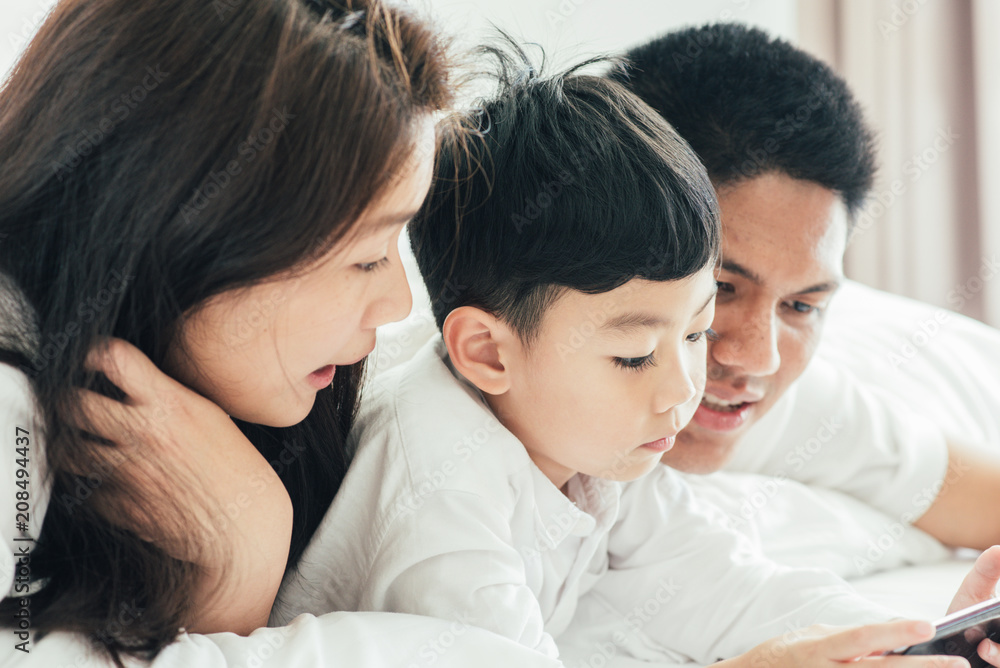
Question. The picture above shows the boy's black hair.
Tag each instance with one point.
(749, 104)
(571, 182)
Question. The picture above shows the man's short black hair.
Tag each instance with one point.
(749, 104)
(566, 181)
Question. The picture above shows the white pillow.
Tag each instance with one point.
(945, 365)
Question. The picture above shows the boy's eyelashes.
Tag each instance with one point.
(634, 363)
(646, 361)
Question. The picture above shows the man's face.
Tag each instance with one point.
(782, 261)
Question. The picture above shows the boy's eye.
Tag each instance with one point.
(372, 266)
(708, 334)
(634, 363)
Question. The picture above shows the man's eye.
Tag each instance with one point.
(805, 309)
(372, 266)
(634, 363)
(724, 287)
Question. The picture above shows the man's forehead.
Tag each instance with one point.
(783, 233)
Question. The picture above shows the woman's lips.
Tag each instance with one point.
(716, 420)
(660, 445)
(322, 378)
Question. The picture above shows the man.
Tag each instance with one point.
(792, 161)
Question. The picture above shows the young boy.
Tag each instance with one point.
(574, 296)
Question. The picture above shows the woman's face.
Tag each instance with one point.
(264, 352)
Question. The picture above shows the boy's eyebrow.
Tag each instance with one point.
(636, 319)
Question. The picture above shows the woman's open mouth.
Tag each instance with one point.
(321, 378)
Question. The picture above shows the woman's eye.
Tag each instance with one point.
(634, 363)
(707, 334)
(372, 266)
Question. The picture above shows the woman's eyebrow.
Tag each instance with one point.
(391, 219)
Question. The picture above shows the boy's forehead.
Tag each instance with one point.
(637, 304)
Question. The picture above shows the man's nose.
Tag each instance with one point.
(750, 343)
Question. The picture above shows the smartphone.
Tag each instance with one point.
(960, 633)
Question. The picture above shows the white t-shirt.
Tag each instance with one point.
(347, 639)
(830, 431)
(443, 513)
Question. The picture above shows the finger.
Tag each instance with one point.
(980, 584)
(989, 651)
(102, 416)
(920, 662)
(864, 640)
(127, 367)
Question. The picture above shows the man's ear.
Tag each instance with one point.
(478, 343)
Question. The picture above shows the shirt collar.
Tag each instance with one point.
(592, 503)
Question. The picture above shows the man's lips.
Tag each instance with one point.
(728, 419)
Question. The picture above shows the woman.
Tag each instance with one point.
(199, 209)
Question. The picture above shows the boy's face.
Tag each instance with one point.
(611, 378)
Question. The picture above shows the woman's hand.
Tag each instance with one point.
(831, 646)
(217, 501)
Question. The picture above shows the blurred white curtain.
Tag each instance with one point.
(926, 72)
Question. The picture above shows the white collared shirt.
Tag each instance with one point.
(443, 513)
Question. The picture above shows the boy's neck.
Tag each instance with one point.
(558, 474)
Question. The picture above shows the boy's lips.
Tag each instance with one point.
(661, 444)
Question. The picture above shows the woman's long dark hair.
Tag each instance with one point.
(156, 153)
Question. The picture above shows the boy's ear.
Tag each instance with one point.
(477, 345)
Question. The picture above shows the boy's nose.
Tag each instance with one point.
(676, 390)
